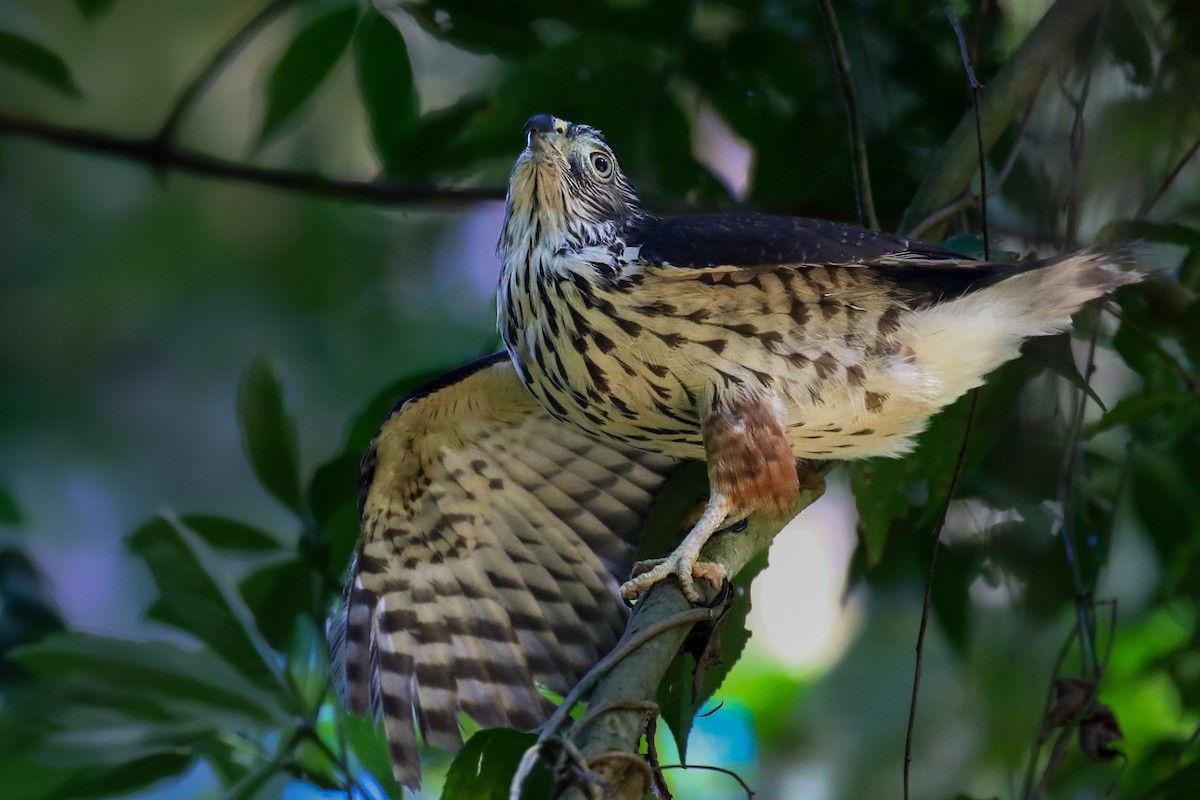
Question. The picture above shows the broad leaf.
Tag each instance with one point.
(308, 661)
(222, 533)
(1138, 408)
(477, 27)
(277, 594)
(94, 8)
(385, 81)
(682, 693)
(269, 434)
(27, 614)
(333, 500)
(10, 512)
(111, 667)
(95, 736)
(1128, 42)
(484, 768)
(304, 66)
(127, 778)
(1054, 353)
(35, 61)
(369, 745)
(196, 595)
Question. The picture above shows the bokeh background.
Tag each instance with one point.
(134, 299)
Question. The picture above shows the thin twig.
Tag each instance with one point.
(709, 768)
(1085, 618)
(149, 150)
(1150, 201)
(1056, 756)
(966, 439)
(659, 786)
(1075, 148)
(1036, 754)
(937, 539)
(626, 646)
(858, 146)
(214, 66)
(976, 89)
(944, 213)
(967, 199)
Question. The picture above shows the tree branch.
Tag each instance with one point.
(154, 152)
(951, 170)
(618, 729)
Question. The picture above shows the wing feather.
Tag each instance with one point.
(731, 241)
(494, 538)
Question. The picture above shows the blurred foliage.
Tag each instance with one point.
(231, 679)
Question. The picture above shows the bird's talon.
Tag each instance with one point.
(647, 573)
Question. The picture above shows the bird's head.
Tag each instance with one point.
(567, 189)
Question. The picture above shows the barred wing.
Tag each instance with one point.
(494, 538)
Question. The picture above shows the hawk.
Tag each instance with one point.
(500, 505)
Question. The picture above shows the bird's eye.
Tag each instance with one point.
(602, 164)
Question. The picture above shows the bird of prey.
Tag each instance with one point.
(500, 505)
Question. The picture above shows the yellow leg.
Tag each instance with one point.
(682, 562)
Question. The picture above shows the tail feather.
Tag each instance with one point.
(962, 340)
(1054, 289)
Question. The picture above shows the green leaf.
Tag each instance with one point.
(484, 768)
(677, 698)
(1128, 43)
(94, 8)
(36, 62)
(222, 533)
(674, 699)
(277, 594)
(1138, 408)
(385, 81)
(23, 780)
(333, 500)
(269, 434)
(304, 66)
(196, 596)
(10, 512)
(477, 27)
(1146, 230)
(27, 614)
(97, 736)
(1054, 353)
(308, 661)
(734, 633)
(110, 667)
(957, 568)
(969, 244)
(369, 745)
(127, 778)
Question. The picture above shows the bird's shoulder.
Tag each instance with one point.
(745, 239)
(442, 412)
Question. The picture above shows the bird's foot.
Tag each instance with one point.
(683, 566)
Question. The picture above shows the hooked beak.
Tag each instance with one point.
(544, 130)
